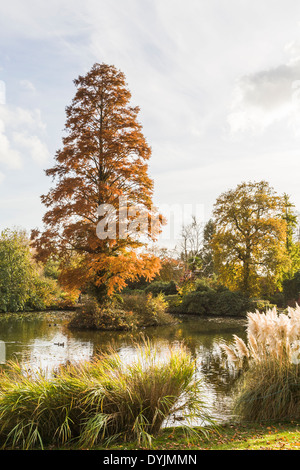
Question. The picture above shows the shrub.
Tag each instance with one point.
(91, 316)
(229, 303)
(186, 287)
(291, 288)
(65, 300)
(207, 285)
(128, 290)
(269, 389)
(197, 303)
(277, 299)
(158, 287)
(261, 305)
(173, 302)
(100, 401)
(45, 293)
(149, 310)
(207, 301)
(129, 312)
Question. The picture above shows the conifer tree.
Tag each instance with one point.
(104, 158)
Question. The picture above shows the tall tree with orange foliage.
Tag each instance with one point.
(104, 158)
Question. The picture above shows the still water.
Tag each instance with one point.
(43, 341)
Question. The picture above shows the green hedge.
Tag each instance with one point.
(206, 301)
(158, 287)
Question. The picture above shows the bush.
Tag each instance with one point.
(128, 290)
(149, 310)
(43, 293)
(173, 302)
(229, 303)
(128, 313)
(101, 401)
(91, 316)
(197, 303)
(157, 287)
(291, 288)
(261, 305)
(277, 299)
(206, 285)
(208, 301)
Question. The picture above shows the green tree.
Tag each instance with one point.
(24, 284)
(52, 268)
(250, 238)
(292, 245)
(16, 270)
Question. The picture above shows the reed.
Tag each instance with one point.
(100, 401)
(270, 385)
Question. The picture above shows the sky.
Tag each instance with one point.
(217, 83)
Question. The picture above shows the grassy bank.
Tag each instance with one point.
(99, 402)
(267, 436)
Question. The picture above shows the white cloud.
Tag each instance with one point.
(27, 85)
(263, 98)
(17, 117)
(2, 93)
(10, 157)
(36, 148)
(21, 132)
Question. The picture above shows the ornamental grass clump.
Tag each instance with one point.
(270, 385)
(94, 403)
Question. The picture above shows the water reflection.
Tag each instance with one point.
(44, 341)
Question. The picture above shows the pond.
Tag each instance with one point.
(42, 340)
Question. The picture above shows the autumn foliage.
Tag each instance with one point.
(104, 157)
(249, 241)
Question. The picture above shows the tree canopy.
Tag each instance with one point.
(249, 241)
(23, 283)
(104, 159)
(16, 270)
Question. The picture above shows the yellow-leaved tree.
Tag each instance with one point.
(249, 241)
